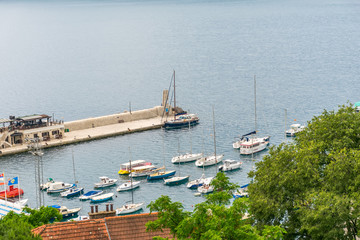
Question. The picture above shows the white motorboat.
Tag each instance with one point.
(294, 129)
(254, 145)
(90, 194)
(57, 187)
(72, 192)
(206, 188)
(46, 185)
(142, 171)
(102, 197)
(188, 157)
(176, 180)
(65, 212)
(230, 165)
(209, 160)
(129, 208)
(105, 182)
(128, 186)
(199, 182)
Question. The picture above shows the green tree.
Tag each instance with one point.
(18, 226)
(311, 186)
(212, 219)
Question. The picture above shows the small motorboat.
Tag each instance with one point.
(242, 192)
(230, 165)
(46, 185)
(128, 186)
(206, 188)
(129, 208)
(72, 192)
(294, 129)
(209, 160)
(188, 157)
(199, 182)
(65, 212)
(57, 187)
(161, 175)
(102, 197)
(105, 182)
(176, 180)
(90, 194)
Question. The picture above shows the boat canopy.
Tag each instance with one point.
(357, 104)
(250, 133)
(133, 163)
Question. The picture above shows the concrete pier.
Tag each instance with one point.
(100, 127)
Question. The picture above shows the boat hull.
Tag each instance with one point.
(102, 198)
(176, 181)
(90, 194)
(186, 158)
(171, 125)
(128, 186)
(129, 208)
(161, 175)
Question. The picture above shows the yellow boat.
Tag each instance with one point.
(125, 167)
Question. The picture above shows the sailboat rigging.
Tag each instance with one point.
(130, 207)
(183, 117)
(255, 144)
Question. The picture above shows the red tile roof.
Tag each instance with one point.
(114, 228)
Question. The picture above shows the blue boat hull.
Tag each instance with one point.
(162, 176)
(169, 125)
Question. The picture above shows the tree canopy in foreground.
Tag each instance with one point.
(212, 219)
(311, 186)
(18, 226)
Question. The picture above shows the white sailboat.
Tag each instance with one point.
(254, 144)
(75, 191)
(130, 185)
(207, 187)
(212, 159)
(187, 157)
(130, 207)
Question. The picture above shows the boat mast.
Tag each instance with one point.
(214, 134)
(132, 192)
(72, 151)
(174, 98)
(285, 121)
(255, 101)
(190, 139)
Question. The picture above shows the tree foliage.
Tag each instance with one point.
(311, 186)
(18, 226)
(212, 219)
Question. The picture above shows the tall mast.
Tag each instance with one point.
(214, 134)
(174, 97)
(72, 150)
(255, 100)
(132, 192)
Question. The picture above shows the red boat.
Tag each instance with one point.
(11, 192)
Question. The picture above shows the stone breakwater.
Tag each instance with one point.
(100, 127)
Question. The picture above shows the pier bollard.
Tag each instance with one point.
(107, 207)
(96, 208)
(92, 209)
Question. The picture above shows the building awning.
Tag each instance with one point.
(43, 129)
(32, 117)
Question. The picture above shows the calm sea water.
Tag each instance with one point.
(79, 59)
